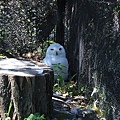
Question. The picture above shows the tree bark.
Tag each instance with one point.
(60, 21)
(93, 53)
(29, 88)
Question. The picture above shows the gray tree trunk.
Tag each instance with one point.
(28, 85)
(93, 52)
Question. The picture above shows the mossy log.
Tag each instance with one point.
(27, 85)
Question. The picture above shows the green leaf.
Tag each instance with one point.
(82, 89)
(42, 117)
(10, 106)
(72, 77)
(60, 81)
(31, 117)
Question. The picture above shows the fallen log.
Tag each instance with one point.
(27, 85)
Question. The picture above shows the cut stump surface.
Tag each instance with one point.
(27, 85)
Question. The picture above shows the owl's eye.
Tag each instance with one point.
(60, 48)
(51, 49)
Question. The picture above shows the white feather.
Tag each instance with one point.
(56, 56)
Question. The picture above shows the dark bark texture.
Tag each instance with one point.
(93, 51)
(60, 21)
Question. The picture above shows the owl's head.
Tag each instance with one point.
(55, 50)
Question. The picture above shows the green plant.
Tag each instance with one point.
(35, 116)
(59, 86)
(60, 80)
(1, 56)
(43, 46)
(68, 87)
(9, 110)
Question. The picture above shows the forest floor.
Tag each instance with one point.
(70, 107)
(73, 108)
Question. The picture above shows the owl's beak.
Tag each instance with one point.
(56, 53)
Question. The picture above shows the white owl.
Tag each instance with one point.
(56, 59)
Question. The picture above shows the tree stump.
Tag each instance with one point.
(27, 85)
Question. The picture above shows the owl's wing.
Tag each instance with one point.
(47, 61)
(64, 62)
(64, 71)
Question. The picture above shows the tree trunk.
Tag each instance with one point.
(93, 52)
(60, 21)
(28, 85)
